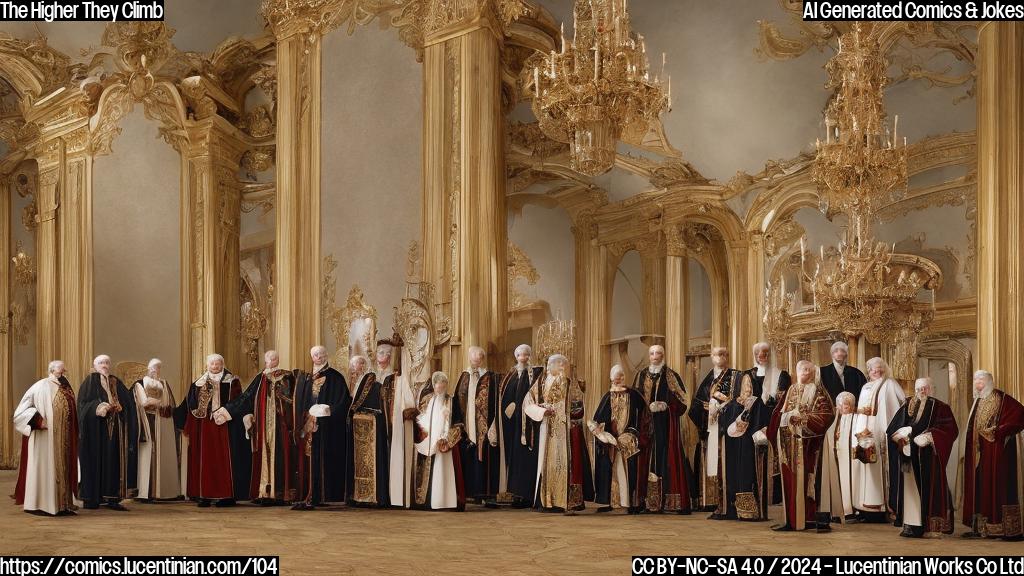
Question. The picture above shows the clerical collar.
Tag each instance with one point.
(761, 370)
(481, 370)
(839, 367)
(655, 369)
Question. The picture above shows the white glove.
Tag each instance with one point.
(760, 438)
(658, 406)
(607, 438)
(151, 403)
(101, 409)
(221, 416)
(320, 410)
(510, 410)
(903, 434)
(492, 435)
(247, 421)
(923, 440)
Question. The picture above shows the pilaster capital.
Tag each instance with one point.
(287, 18)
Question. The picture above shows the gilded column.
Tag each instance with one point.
(8, 459)
(210, 213)
(755, 283)
(652, 265)
(740, 342)
(677, 296)
(597, 319)
(75, 301)
(299, 27)
(1000, 71)
(464, 222)
(46, 259)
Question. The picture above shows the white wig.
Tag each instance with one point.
(524, 348)
(814, 369)
(318, 348)
(476, 350)
(837, 345)
(617, 369)
(438, 377)
(96, 361)
(269, 352)
(761, 346)
(558, 359)
(356, 360)
(877, 362)
(153, 363)
(922, 382)
(52, 366)
(658, 347)
(213, 357)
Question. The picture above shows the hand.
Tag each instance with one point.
(116, 408)
(220, 416)
(549, 411)
(409, 413)
(42, 423)
(247, 421)
(492, 436)
(760, 438)
(102, 409)
(151, 404)
(923, 440)
(741, 426)
(442, 445)
(796, 418)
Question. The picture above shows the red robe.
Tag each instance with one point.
(799, 447)
(993, 469)
(209, 445)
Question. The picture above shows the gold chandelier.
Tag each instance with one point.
(598, 88)
(863, 287)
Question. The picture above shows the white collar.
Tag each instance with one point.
(147, 379)
(213, 377)
(839, 367)
(269, 371)
(521, 367)
(481, 370)
(54, 379)
(655, 369)
(761, 370)
(718, 371)
(319, 367)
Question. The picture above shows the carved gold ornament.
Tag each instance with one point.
(598, 88)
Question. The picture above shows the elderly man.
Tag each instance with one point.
(370, 455)
(993, 465)
(159, 465)
(438, 433)
(477, 395)
(387, 375)
(218, 465)
(769, 382)
(265, 409)
(48, 419)
(621, 430)
(840, 376)
(715, 391)
(322, 402)
(518, 435)
(922, 434)
(880, 398)
(798, 428)
(667, 479)
(108, 438)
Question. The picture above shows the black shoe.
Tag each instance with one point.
(908, 532)
(117, 506)
(1017, 538)
(67, 513)
(203, 503)
(225, 503)
(716, 516)
(823, 528)
(303, 506)
(91, 506)
(782, 528)
(603, 509)
(39, 513)
(684, 512)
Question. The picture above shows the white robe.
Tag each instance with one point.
(40, 480)
(402, 453)
(553, 450)
(435, 421)
(844, 460)
(869, 482)
(160, 438)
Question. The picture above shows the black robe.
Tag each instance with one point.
(520, 456)
(253, 401)
(637, 424)
(773, 494)
(323, 454)
(854, 380)
(480, 465)
(108, 446)
(708, 494)
(670, 484)
(746, 482)
(370, 450)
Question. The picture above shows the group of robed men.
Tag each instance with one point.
(831, 446)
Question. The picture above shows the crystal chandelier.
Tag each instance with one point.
(598, 88)
(863, 287)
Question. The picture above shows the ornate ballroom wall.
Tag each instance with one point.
(228, 194)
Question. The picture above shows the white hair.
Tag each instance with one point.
(879, 363)
(384, 349)
(524, 348)
(353, 361)
(617, 369)
(153, 363)
(985, 375)
(52, 366)
(213, 357)
(925, 381)
(559, 359)
(100, 358)
(437, 377)
(846, 397)
(837, 345)
(717, 350)
(269, 352)
(476, 350)
(317, 348)
(761, 346)
(658, 347)
(814, 369)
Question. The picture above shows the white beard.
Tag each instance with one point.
(655, 369)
